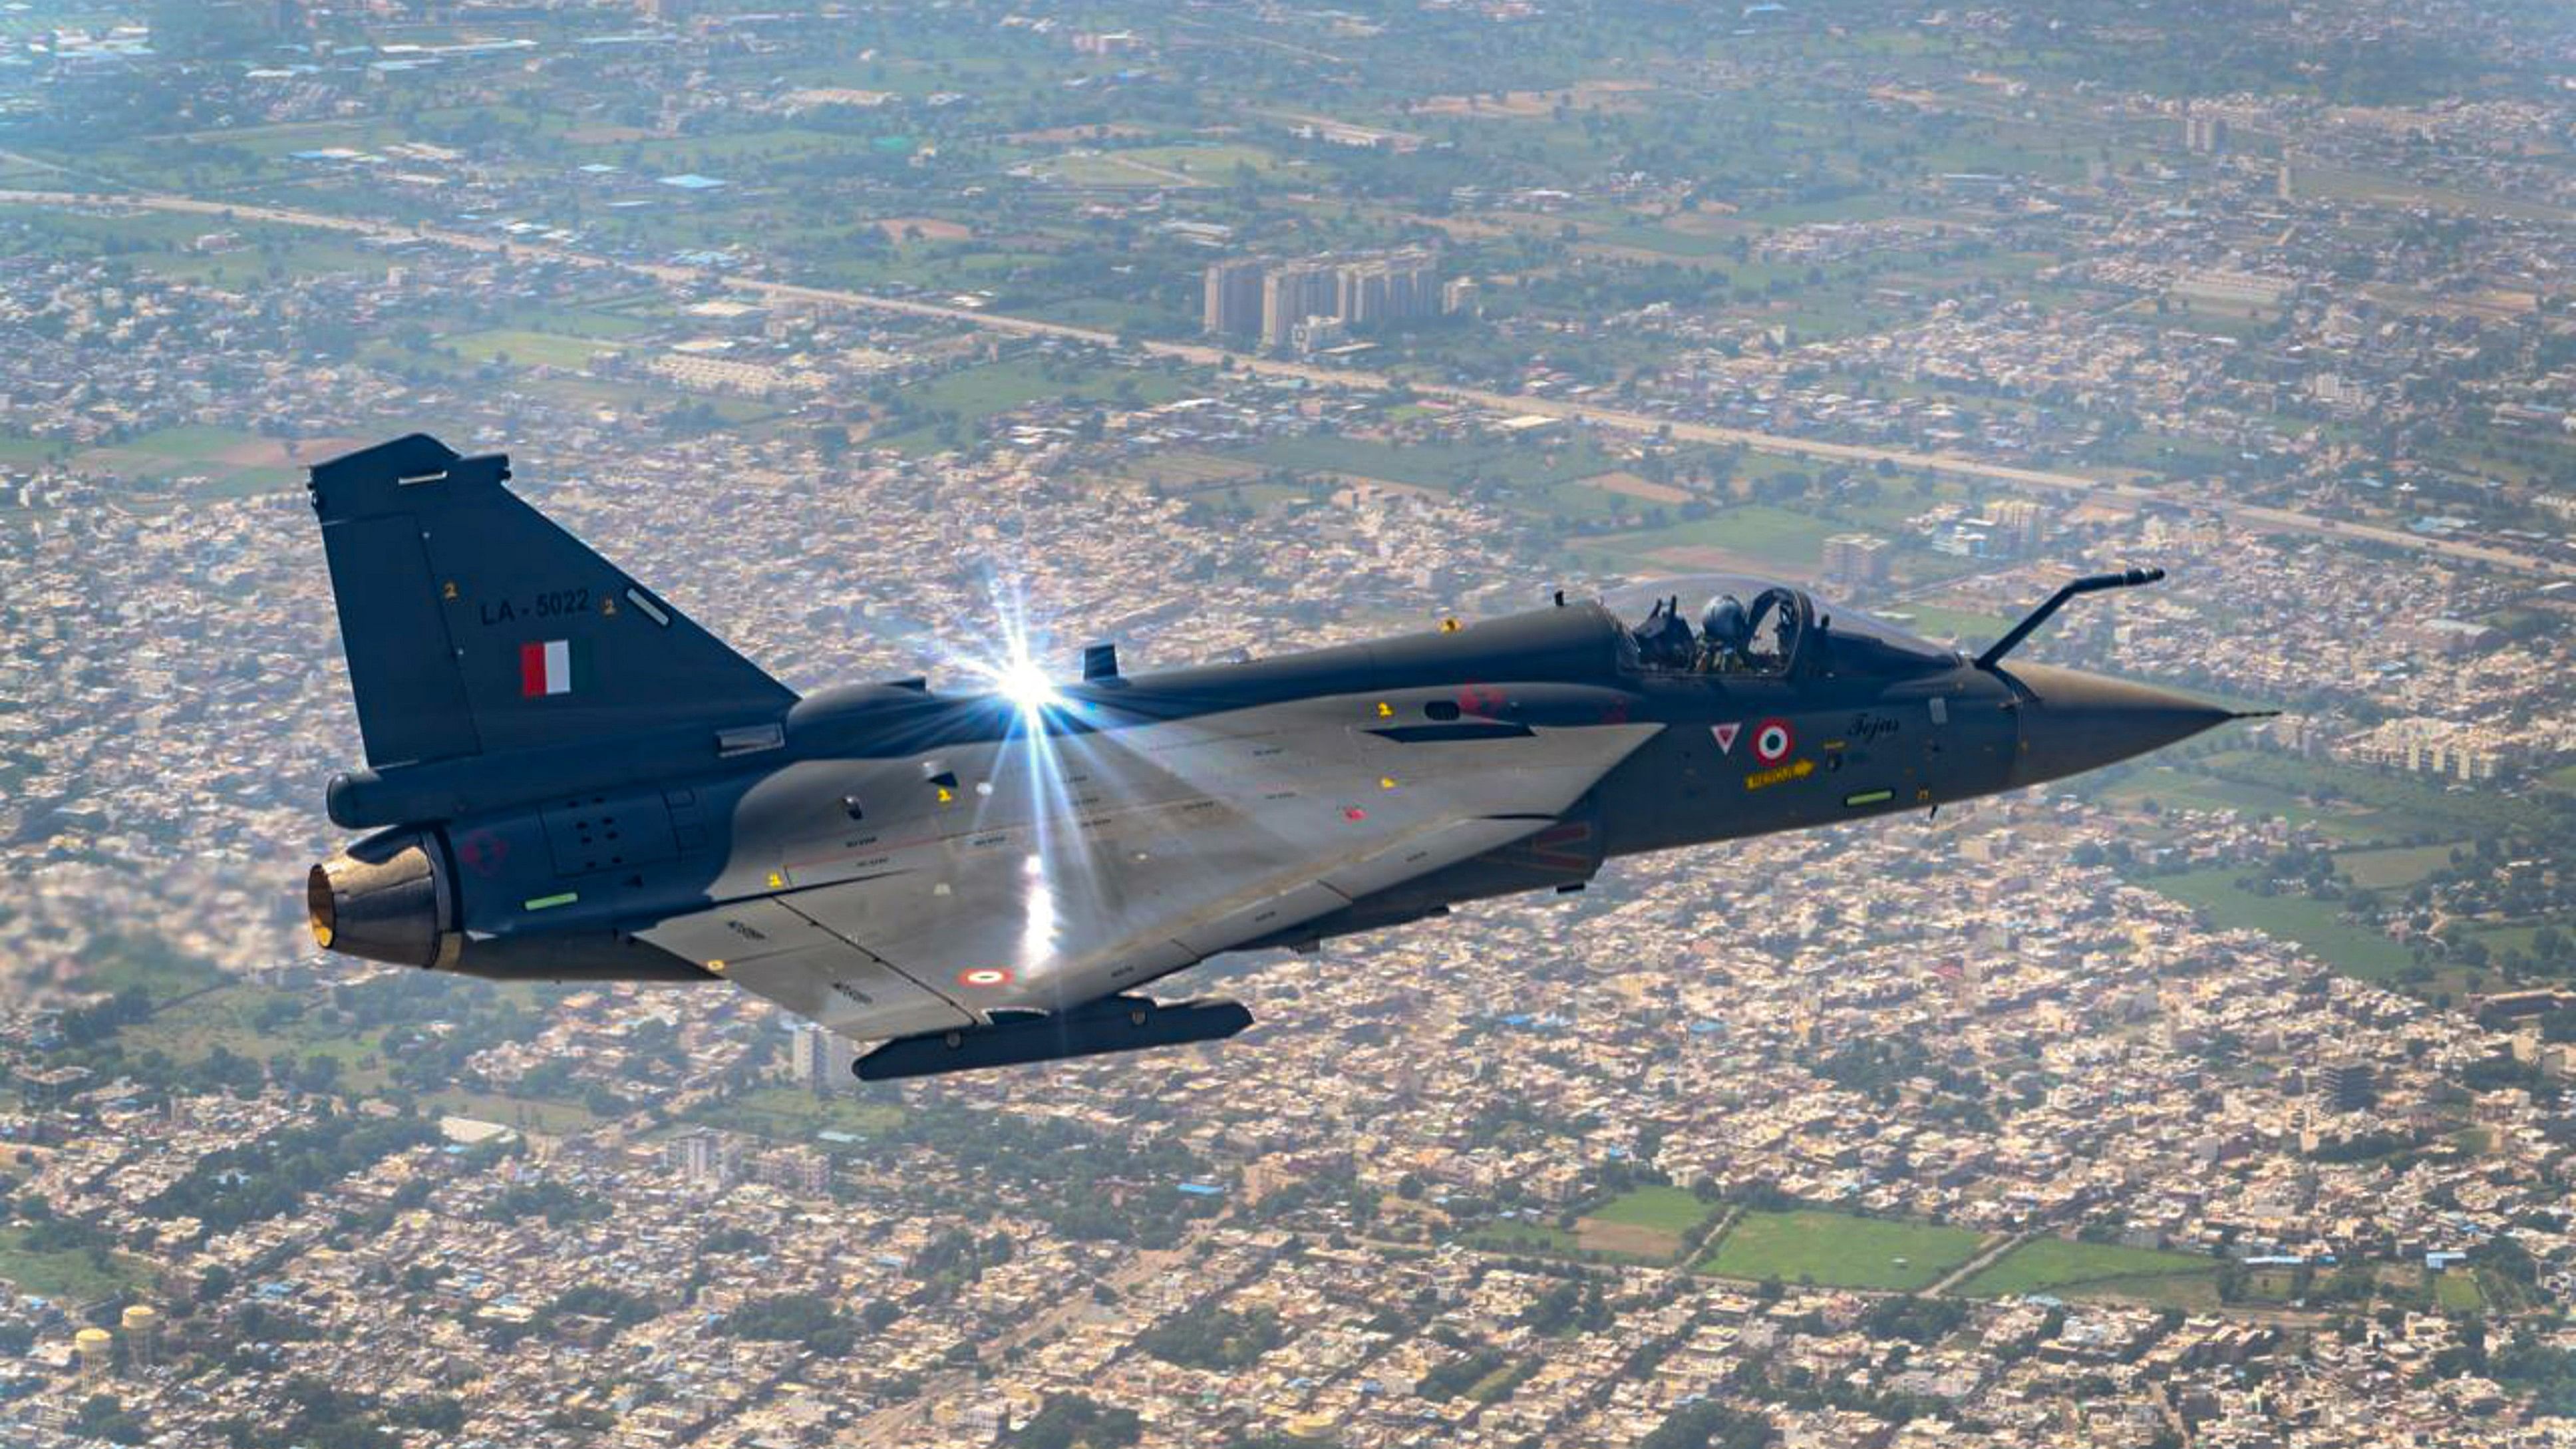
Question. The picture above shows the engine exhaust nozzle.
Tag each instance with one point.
(384, 899)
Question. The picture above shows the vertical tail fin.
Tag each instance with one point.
(474, 625)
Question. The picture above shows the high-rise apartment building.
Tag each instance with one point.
(1857, 559)
(1232, 303)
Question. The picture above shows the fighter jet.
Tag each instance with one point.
(569, 780)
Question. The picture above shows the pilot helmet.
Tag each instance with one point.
(1724, 618)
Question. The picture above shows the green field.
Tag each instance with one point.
(971, 395)
(1642, 1225)
(2401, 806)
(539, 349)
(2400, 865)
(2172, 787)
(2050, 1265)
(2317, 925)
(1525, 1237)
(69, 1275)
(1756, 532)
(795, 1114)
(1665, 1209)
(2457, 1292)
(1159, 165)
(20, 449)
(1839, 1250)
(1433, 465)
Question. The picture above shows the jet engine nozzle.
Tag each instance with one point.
(385, 899)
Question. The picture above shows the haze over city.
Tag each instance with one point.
(2216, 1098)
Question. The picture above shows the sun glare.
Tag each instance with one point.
(1024, 684)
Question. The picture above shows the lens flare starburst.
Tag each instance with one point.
(1024, 683)
(1029, 792)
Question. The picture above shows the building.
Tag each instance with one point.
(1315, 334)
(2467, 752)
(708, 1161)
(48, 1086)
(1362, 295)
(1856, 560)
(2346, 1085)
(804, 1170)
(1232, 305)
(1290, 294)
(1386, 289)
(2204, 134)
(2018, 525)
(819, 1058)
(2452, 637)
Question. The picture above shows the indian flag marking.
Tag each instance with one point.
(553, 666)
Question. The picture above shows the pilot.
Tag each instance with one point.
(1724, 630)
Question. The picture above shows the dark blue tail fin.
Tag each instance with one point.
(475, 626)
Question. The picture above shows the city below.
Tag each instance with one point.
(2218, 1099)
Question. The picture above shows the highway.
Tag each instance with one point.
(2033, 480)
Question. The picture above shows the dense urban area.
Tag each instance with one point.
(2221, 1099)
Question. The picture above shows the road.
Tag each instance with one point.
(1977, 1264)
(2033, 480)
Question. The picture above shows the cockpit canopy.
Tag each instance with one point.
(1755, 628)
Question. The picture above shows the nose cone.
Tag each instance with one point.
(2078, 722)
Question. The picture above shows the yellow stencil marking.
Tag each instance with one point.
(1385, 710)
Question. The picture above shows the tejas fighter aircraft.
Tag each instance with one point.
(570, 780)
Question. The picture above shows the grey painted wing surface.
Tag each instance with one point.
(1168, 845)
(771, 950)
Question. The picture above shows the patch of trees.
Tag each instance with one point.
(598, 1300)
(1211, 1337)
(955, 1259)
(1878, 1067)
(733, 1240)
(84, 1025)
(1447, 1381)
(804, 1318)
(2362, 1147)
(270, 1177)
(1067, 1420)
(100, 1416)
(1567, 1306)
(557, 1204)
(1709, 1425)
(1916, 1320)
(614, 1306)
(322, 1415)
